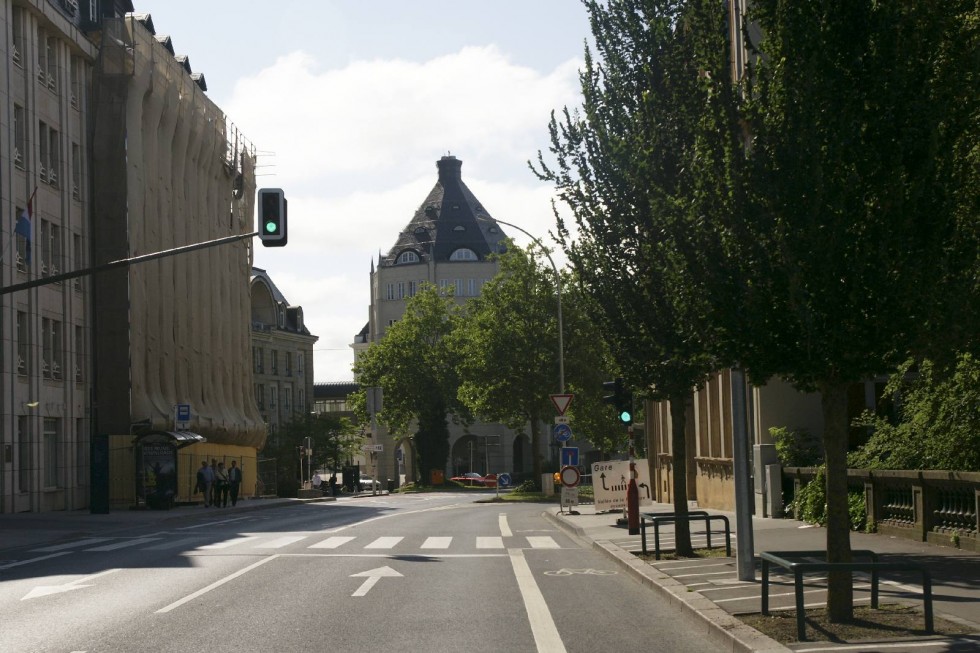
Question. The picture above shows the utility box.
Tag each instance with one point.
(763, 455)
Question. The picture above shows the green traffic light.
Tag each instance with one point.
(270, 227)
(625, 417)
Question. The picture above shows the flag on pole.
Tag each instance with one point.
(23, 227)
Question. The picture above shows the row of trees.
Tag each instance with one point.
(817, 219)
(334, 441)
(493, 358)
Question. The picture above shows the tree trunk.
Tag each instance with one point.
(840, 588)
(535, 450)
(678, 418)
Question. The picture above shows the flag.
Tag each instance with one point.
(23, 227)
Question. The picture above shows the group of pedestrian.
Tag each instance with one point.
(219, 484)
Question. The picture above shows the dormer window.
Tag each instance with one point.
(459, 227)
(463, 254)
(407, 256)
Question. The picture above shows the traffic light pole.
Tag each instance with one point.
(122, 263)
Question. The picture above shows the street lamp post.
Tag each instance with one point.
(561, 344)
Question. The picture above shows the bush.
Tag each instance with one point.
(810, 504)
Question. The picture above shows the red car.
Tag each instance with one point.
(472, 479)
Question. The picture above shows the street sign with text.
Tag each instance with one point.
(610, 480)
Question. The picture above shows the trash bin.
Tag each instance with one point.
(437, 477)
(391, 486)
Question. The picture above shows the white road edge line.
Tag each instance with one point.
(217, 583)
(546, 636)
(30, 560)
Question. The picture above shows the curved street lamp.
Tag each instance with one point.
(561, 344)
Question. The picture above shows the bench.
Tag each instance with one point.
(782, 559)
(657, 518)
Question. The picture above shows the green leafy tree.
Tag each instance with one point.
(938, 425)
(640, 168)
(506, 348)
(416, 371)
(332, 439)
(863, 183)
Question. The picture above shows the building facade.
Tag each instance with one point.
(282, 355)
(449, 244)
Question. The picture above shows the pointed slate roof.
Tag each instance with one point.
(447, 221)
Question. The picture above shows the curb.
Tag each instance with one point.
(700, 613)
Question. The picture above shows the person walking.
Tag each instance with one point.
(205, 481)
(221, 486)
(234, 481)
(214, 484)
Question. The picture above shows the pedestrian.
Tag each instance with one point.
(214, 484)
(221, 486)
(234, 481)
(317, 481)
(205, 479)
(333, 484)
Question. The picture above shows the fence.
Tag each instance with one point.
(940, 507)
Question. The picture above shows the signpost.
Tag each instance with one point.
(182, 416)
(610, 482)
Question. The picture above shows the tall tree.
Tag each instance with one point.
(656, 113)
(863, 184)
(416, 371)
(508, 360)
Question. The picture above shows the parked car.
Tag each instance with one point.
(472, 479)
(366, 482)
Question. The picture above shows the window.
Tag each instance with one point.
(79, 259)
(50, 154)
(463, 254)
(412, 288)
(20, 137)
(23, 345)
(407, 256)
(471, 287)
(273, 396)
(74, 80)
(260, 396)
(21, 247)
(81, 448)
(459, 228)
(390, 291)
(76, 172)
(257, 356)
(79, 353)
(287, 397)
(443, 286)
(57, 349)
(275, 362)
(288, 362)
(17, 51)
(301, 401)
(47, 59)
(52, 443)
(50, 238)
(401, 290)
(48, 342)
(299, 363)
(459, 287)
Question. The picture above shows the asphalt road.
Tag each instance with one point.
(428, 573)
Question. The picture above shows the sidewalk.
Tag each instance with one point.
(707, 590)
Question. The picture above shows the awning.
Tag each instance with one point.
(179, 438)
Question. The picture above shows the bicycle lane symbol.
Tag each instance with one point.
(582, 572)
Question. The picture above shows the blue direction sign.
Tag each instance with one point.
(183, 412)
(563, 432)
(569, 456)
(503, 480)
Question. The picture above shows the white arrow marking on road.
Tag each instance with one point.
(373, 576)
(45, 590)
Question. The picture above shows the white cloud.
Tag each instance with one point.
(355, 150)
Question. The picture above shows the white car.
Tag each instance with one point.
(365, 483)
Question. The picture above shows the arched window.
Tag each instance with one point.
(463, 254)
(408, 256)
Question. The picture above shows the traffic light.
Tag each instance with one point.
(621, 399)
(272, 217)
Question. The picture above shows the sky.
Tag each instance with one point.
(349, 105)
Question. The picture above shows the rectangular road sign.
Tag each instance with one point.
(569, 496)
(561, 419)
(377, 448)
(610, 480)
(569, 456)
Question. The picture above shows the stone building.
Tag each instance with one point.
(448, 243)
(282, 355)
(49, 50)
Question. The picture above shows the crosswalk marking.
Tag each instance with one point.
(437, 543)
(280, 542)
(72, 545)
(124, 544)
(173, 544)
(490, 542)
(542, 542)
(384, 543)
(332, 542)
(227, 543)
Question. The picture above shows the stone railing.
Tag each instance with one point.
(934, 506)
